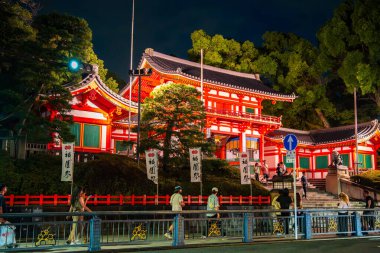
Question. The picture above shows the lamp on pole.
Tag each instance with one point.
(139, 73)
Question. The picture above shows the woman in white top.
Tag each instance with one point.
(344, 203)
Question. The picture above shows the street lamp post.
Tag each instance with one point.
(139, 73)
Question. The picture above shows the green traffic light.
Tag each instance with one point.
(74, 65)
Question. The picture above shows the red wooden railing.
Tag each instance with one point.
(132, 200)
(243, 115)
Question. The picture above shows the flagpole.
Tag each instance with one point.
(130, 68)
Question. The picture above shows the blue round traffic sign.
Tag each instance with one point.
(290, 142)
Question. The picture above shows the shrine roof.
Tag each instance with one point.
(95, 77)
(172, 65)
(329, 135)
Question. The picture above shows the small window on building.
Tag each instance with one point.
(346, 159)
(249, 110)
(365, 161)
(304, 162)
(322, 162)
(75, 130)
(121, 146)
(91, 136)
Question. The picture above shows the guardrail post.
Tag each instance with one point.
(179, 231)
(95, 234)
(247, 227)
(307, 225)
(357, 223)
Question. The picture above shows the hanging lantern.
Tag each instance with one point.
(273, 102)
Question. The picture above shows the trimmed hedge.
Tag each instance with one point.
(369, 178)
(115, 174)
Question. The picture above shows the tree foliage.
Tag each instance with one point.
(33, 71)
(286, 62)
(171, 121)
(290, 64)
(350, 47)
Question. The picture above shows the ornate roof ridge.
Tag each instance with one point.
(91, 77)
(205, 66)
(150, 54)
(333, 129)
(369, 128)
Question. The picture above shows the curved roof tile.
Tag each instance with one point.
(330, 135)
(173, 65)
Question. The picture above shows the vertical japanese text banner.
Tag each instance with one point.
(244, 168)
(195, 164)
(152, 165)
(67, 161)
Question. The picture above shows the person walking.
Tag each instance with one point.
(77, 204)
(368, 215)
(257, 172)
(344, 203)
(265, 168)
(304, 185)
(212, 205)
(176, 201)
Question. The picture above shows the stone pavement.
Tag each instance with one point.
(217, 245)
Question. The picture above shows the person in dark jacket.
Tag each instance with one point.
(285, 202)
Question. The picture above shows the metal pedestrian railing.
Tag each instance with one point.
(41, 231)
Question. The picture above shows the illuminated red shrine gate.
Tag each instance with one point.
(233, 102)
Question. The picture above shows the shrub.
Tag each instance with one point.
(370, 178)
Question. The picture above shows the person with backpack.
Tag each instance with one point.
(176, 201)
(212, 218)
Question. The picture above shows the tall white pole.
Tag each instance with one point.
(201, 127)
(202, 76)
(130, 68)
(356, 134)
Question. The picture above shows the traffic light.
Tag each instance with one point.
(74, 65)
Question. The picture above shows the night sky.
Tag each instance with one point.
(166, 25)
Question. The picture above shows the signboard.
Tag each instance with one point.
(244, 168)
(290, 142)
(152, 165)
(67, 162)
(290, 156)
(195, 164)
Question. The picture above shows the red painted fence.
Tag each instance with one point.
(132, 200)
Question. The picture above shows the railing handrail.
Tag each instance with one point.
(54, 200)
(248, 115)
(184, 212)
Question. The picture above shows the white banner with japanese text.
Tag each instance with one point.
(67, 161)
(244, 168)
(151, 158)
(195, 164)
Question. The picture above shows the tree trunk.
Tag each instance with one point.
(167, 142)
(322, 117)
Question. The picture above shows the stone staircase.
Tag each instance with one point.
(317, 198)
(319, 183)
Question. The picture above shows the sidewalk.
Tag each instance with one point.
(218, 245)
